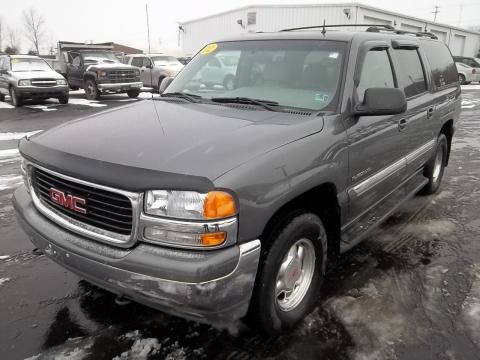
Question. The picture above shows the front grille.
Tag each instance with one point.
(104, 209)
(122, 76)
(44, 82)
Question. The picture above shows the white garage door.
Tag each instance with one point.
(376, 21)
(411, 28)
(440, 34)
(457, 45)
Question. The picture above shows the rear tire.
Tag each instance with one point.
(16, 99)
(133, 93)
(2, 97)
(436, 166)
(288, 284)
(91, 90)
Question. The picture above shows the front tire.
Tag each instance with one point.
(436, 166)
(16, 99)
(63, 99)
(133, 93)
(461, 79)
(91, 90)
(290, 274)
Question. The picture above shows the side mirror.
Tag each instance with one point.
(149, 66)
(164, 84)
(382, 101)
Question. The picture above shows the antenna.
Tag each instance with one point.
(149, 50)
(323, 30)
(435, 12)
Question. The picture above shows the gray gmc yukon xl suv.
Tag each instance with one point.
(215, 204)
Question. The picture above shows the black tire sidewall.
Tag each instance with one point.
(96, 94)
(266, 311)
(133, 93)
(16, 101)
(63, 99)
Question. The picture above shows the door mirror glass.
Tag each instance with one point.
(164, 84)
(382, 101)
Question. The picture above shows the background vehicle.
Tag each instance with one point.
(223, 201)
(470, 61)
(154, 68)
(30, 77)
(101, 72)
(219, 71)
(467, 74)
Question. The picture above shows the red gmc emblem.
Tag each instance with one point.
(68, 201)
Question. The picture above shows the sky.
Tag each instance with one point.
(124, 21)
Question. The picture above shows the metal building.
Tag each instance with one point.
(194, 34)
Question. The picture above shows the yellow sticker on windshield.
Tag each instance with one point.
(14, 61)
(209, 49)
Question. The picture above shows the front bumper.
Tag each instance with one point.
(42, 92)
(119, 86)
(211, 286)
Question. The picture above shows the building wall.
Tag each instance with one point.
(198, 33)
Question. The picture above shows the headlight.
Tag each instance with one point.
(61, 82)
(190, 204)
(24, 83)
(137, 72)
(101, 74)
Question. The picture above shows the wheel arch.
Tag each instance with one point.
(448, 130)
(321, 200)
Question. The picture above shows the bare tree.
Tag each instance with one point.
(1, 34)
(34, 24)
(12, 38)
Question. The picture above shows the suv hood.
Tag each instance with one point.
(197, 140)
(30, 75)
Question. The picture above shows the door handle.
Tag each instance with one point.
(402, 124)
(429, 113)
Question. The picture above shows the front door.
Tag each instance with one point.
(376, 144)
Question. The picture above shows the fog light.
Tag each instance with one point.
(158, 235)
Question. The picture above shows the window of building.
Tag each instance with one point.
(441, 61)
(376, 72)
(251, 18)
(411, 76)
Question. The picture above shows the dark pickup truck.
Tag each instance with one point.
(101, 72)
(217, 202)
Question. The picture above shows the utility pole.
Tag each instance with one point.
(435, 12)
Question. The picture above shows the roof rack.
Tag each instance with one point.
(370, 28)
(379, 28)
(387, 27)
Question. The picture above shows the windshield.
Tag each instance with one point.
(293, 73)
(165, 60)
(29, 64)
(99, 57)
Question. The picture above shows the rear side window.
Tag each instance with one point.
(376, 72)
(411, 76)
(443, 68)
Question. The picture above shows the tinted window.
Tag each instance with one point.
(137, 61)
(411, 76)
(376, 72)
(146, 62)
(443, 68)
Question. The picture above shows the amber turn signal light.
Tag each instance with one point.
(213, 239)
(218, 204)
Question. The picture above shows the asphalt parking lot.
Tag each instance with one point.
(411, 291)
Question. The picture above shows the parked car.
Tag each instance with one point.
(470, 61)
(467, 74)
(219, 71)
(30, 77)
(216, 203)
(184, 60)
(155, 67)
(101, 72)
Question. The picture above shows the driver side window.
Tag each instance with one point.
(376, 72)
(76, 61)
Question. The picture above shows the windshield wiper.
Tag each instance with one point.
(266, 104)
(189, 97)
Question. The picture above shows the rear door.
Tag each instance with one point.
(419, 125)
(376, 151)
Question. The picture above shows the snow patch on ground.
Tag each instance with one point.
(432, 227)
(470, 87)
(141, 348)
(85, 102)
(7, 153)
(4, 257)
(4, 105)
(42, 107)
(4, 280)
(16, 135)
(471, 308)
(10, 181)
(73, 349)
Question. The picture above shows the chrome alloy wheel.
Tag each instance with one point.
(295, 275)
(437, 166)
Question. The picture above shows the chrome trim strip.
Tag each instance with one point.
(383, 174)
(119, 85)
(229, 226)
(422, 150)
(377, 178)
(81, 228)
